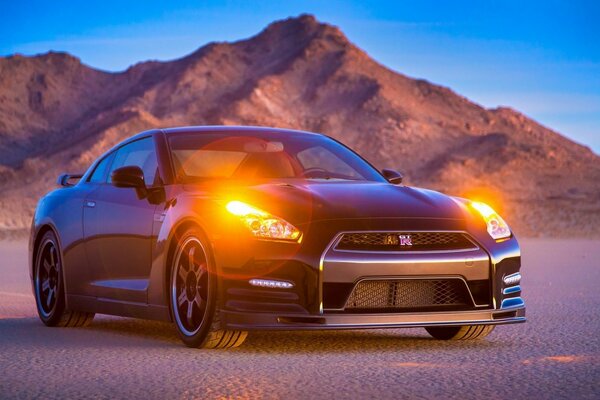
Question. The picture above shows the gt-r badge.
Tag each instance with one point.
(405, 240)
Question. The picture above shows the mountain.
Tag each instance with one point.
(57, 115)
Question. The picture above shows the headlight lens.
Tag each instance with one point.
(262, 224)
(496, 226)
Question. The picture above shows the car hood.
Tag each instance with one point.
(311, 201)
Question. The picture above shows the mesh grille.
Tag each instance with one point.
(405, 241)
(408, 293)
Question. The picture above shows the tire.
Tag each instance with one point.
(193, 295)
(49, 288)
(465, 332)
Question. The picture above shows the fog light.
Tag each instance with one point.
(271, 283)
(512, 302)
(513, 279)
(511, 290)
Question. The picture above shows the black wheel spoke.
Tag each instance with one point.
(46, 284)
(49, 298)
(190, 313)
(203, 284)
(182, 299)
(182, 272)
(47, 266)
(52, 259)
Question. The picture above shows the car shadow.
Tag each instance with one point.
(106, 331)
(369, 340)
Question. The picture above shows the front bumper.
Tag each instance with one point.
(268, 321)
(324, 279)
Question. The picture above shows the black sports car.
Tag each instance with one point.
(223, 230)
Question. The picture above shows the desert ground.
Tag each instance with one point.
(556, 354)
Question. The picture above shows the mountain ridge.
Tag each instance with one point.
(58, 114)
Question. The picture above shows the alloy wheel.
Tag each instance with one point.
(47, 278)
(190, 286)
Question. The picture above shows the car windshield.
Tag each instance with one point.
(265, 155)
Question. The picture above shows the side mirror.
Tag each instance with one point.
(392, 176)
(130, 177)
(65, 179)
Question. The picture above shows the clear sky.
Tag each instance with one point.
(540, 57)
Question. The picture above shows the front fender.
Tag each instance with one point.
(180, 210)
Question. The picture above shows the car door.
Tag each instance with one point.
(118, 228)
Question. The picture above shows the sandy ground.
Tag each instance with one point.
(555, 355)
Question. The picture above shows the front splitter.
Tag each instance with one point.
(266, 321)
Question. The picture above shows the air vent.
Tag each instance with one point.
(400, 294)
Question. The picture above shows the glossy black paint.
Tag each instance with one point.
(117, 244)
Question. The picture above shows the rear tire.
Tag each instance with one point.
(49, 287)
(193, 294)
(465, 332)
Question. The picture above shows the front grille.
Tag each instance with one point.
(409, 294)
(405, 241)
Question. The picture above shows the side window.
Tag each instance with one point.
(99, 174)
(140, 153)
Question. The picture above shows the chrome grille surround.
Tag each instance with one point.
(388, 294)
(421, 241)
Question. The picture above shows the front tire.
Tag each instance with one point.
(49, 287)
(193, 294)
(465, 332)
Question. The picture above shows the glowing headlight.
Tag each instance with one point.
(262, 224)
(496, 226)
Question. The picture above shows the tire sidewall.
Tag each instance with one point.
(198, 338)
(55, 315)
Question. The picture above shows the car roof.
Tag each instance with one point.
(218, 128)
(232, 128)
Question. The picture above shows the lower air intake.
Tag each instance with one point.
(409, 294)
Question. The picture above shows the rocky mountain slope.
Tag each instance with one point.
(57, 114)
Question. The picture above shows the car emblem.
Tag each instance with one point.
(405, 240)
(395, 240)
(391, 240)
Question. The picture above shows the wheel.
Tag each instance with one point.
(50, 289)
(466, 332)
(194, 295)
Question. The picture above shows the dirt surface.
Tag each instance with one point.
(556, 354)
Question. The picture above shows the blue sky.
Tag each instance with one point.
(540, 57)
